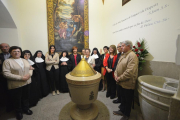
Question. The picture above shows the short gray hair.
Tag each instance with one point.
(127, 42)
(120, 43)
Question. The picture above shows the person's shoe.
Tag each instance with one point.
(116, 101)
(28, 112)
(19, 116)
(103, 90)
(112, 97)
(124, 118)
(53, 93)
(118, 113)
(58, 92)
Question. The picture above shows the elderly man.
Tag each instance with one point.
(83, 53)
(4, 55)
(118, 100)
(125, 75)
(3, 82)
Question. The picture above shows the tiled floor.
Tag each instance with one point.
(49, 108)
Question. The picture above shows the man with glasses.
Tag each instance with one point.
(118, 100)
(126, 75)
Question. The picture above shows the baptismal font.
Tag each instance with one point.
(83, 84)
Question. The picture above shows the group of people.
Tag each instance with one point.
(27, 81)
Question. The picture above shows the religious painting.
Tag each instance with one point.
(68, 24)
(125, 1)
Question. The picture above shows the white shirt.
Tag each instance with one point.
(95, 56)
(64, 59)
(20, 62)
(30, 62)
(39, 60)
(91, 61)
(82, 56)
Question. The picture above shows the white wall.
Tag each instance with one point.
(34, 25)
(9, 35)
(96, 24)
(8, 30)
(13, 8)
(31, 21)
(161, 38)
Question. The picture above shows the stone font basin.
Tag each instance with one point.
(154, 99)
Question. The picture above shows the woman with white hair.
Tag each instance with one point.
(89, 58)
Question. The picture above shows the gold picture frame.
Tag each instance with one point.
(51, 24)
(124, 2)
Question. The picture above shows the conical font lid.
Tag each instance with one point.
(83, 69)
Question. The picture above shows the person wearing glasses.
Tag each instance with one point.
(118, 100)
(18, 73)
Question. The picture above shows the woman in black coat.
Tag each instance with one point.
(40, 61)
(97, 57)
(74, 58)
(64, 69)
(34, 89)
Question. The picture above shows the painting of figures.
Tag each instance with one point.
(69, 24)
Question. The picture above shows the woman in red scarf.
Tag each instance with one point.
(108, 63)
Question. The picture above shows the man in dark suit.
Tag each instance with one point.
(3, 82)
(118, 100)
(4, 55)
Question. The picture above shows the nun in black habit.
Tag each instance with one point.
(64, 68)
(34, 89)
(40, 61)
(95, 53)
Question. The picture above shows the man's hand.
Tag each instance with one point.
(26, 77)
(117, 79)
(93, 65)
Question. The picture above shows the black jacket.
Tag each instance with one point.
(115, 65)
(1, 61)
(98, 64)
(72, 61)
(1, 65)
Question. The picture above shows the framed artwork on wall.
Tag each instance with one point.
(124, 2)
(68, 24)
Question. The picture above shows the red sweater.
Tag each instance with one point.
(105, 63)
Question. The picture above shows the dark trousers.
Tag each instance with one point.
(20, 97)
(53, 75)
(126, 100)
(100, 85)
(118, 92)
(5, 95)
(111, 85)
